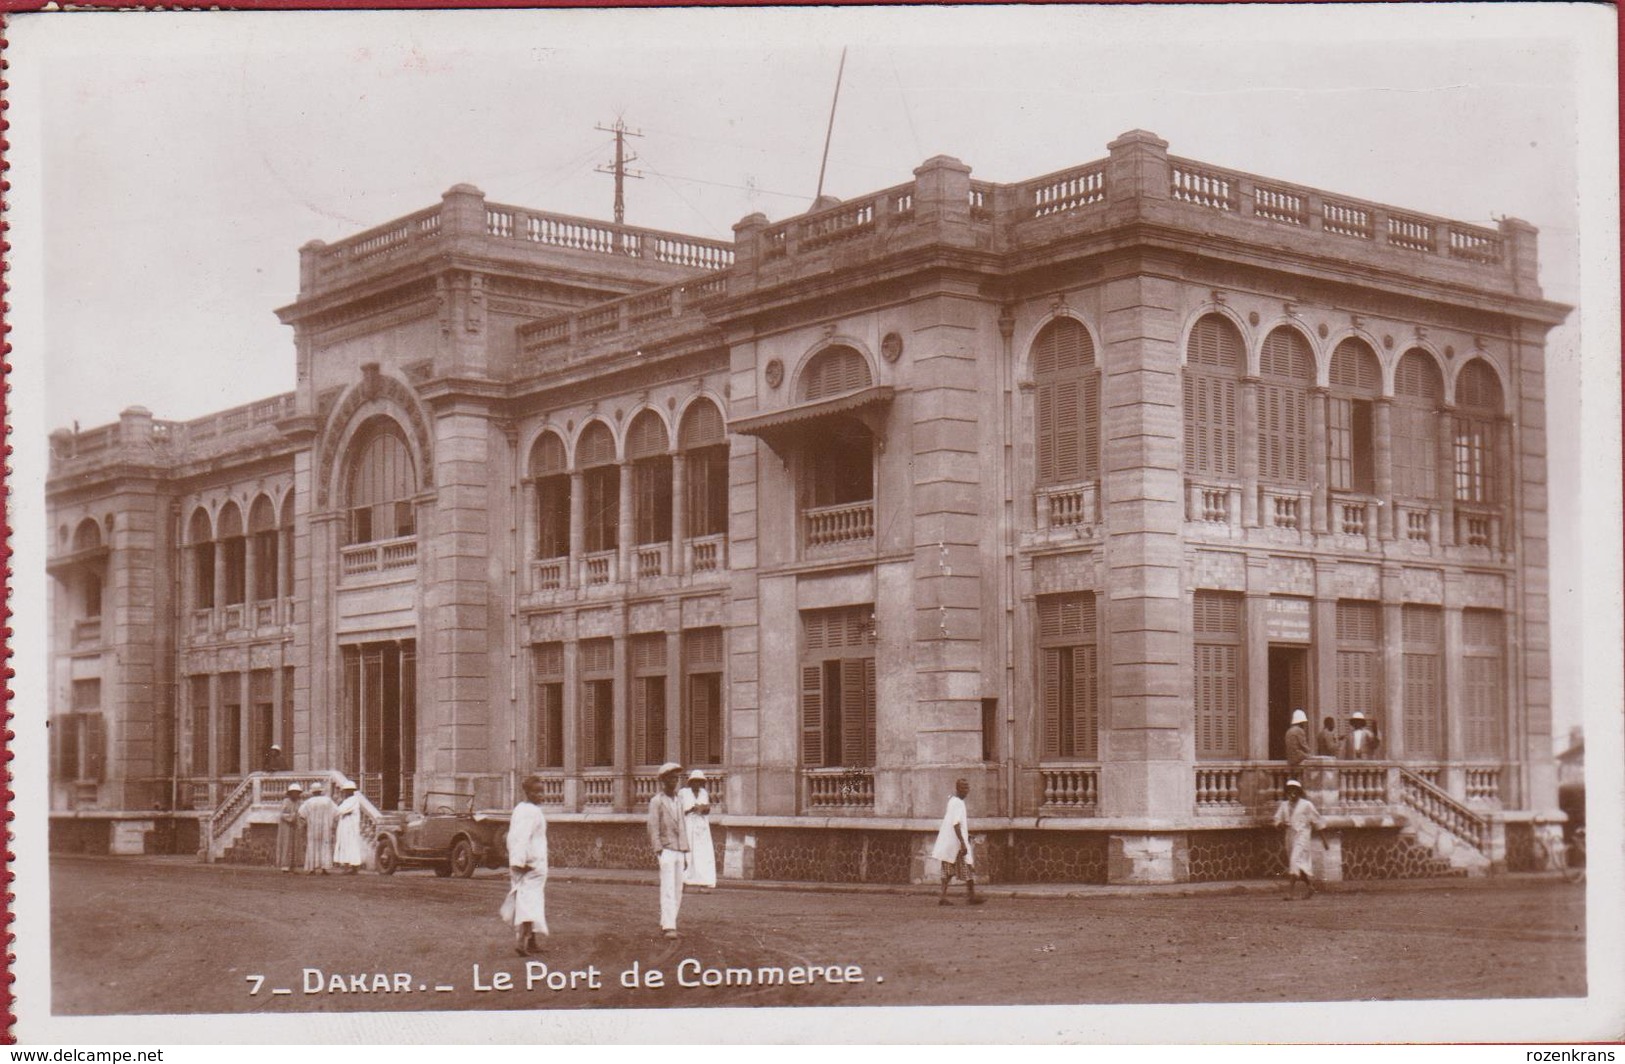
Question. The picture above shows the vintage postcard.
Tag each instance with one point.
(780, 524)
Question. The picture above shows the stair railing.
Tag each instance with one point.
(1443, 811)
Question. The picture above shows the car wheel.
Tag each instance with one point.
(463, 861)
(388, 859)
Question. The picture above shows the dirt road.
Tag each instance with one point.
(135, 936)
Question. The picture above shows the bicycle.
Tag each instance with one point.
(1568, 858)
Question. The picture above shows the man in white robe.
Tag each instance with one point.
(953, 848)
(1301, 820)
(702, 855)
(320, 815)
(525, 907)
(347, 851)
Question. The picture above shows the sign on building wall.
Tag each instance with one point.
(1287, 620)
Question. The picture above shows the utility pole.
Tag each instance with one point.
(618, 168)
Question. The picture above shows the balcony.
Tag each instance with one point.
(652, 560)
(1353, 515)
(1213, 505)
(1285, 509)
(1069, 789)
(599, 568)
(839, 529)
(549, 574)
(598, 790)
(1072, 507)
(389, 558)
(838, 790)
(708, 554)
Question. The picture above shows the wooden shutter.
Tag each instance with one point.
(647, 437)
(1068, 403)
(1422, 680)
(702, 426)
(1478, 389)
(1340, 433)
(835, 371)
(699, 720)
(94, 746)
(1354, 369)
(855, 699)
(1217, 654)
(1052, 664)
(812, 715)
(1484, 701)
(589, 722)
(65, 737)
(1086, 703)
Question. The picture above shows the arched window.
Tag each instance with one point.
(601, 483)
(704, 444)
(382, 483)
(1286, 371)
(1478, 428)
(88, 536)
(550, 473)
(200, 540)
(1414, 427)
(1356, 382)
(1214, 362)
(834, 371)
(233, 554)
(648, 448)
(1068, 403)
(262, 530)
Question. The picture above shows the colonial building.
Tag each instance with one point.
(1075, 487)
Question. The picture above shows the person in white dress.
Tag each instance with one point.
(525, 907)
(702, 855)
(347, 852)
(320, 814)
(1301, 820)
(953, 848)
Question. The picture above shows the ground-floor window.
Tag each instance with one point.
(1068, 676)
(1218, 680)
(1424, 685)
(230, 750)
(1359, 662)
(1484, 695)
(648, 659)
(547, 711)
(596, 660)
(838, 687)
(702, 693)
(79, 738)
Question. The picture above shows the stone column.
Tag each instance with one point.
(625, 528)
(674, 683)
(246, 754)
(1247, 430)
(277, 738)
(679, 512)
(284, 574)
(529, 535)
(219, 574)
(573, 759)
(1455, 676)
(1387, 515)
(622, 761)
(216, 731)
(1324, 634)
(250, 571)
(1319, 461)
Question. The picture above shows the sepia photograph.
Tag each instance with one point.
(707, 525)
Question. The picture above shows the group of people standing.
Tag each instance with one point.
(679, 833)
(319, 834)
(1362, 743)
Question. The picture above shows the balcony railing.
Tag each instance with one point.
(1482, 784)
(1069, 789)
(384, 556)
(552, 787)
(708, 554)
(1213, 504)
(652, 560)
(549, 574)
(1478, 527)
(1238, 786)
(1418, 524)
(232, 616)
(1074, 506)
(836, 528)
(600, 568)
(1284, 509)
(1353, 516)
(598, 790)
(839, 790)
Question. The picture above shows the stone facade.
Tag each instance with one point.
(1073, 488)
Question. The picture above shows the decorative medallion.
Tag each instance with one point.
(1449, 352)
(1252, 318)
(775, 373)
(1388, 341)
(1324, 332)
(891, 347)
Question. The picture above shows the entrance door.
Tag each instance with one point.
(1289, 690)
(380, 701)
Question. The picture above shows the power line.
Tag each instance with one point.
(618, 167)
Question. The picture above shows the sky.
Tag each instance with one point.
(183, 158)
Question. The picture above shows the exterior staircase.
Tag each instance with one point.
(258, 800)
(1447, 828)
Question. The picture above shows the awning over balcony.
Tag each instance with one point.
(62, 563)
(784, 429)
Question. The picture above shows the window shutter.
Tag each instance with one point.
(1089, 460)
(1046, 435)
(812, 715)
(640, 722)
(1067, 434)
(699, 720)
(589, 722)
(703, 648)
(1354, 369)
(854, 704)
(835, 371)
(702, 426)
(1086, 707)
(1478, 389)
(597, 447)
(1052, 701)
(95, 747)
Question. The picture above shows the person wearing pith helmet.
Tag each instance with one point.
(1297, 738)
(669, 838)
(1301, 820)
(1361, 742)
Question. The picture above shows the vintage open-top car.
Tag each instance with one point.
(447, 836)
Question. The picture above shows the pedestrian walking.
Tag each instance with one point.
(1297, 738)
(953, 847)
(1361, 743)
(1326, 743)
(287, 828)
(702, 854)
(320, 815)
(525, 907)
(1301, 820)
(347, 852)
(669, 837)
